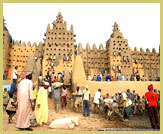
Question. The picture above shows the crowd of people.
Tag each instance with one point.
(121, 77)
(23, 96)
(122, 104)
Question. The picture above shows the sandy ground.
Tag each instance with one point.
(93, 123)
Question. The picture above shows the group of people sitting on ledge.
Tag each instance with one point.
(121, 77)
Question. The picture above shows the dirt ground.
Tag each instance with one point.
(93, 123)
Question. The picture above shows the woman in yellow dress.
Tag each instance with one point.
(41, 109)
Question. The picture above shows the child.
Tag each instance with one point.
(107, 96)
(63, 97)
(11, 108)
(5, 98)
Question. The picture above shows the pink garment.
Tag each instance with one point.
(24, 95)
(64, 92)
(23, 75)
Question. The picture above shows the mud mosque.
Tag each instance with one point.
(58, 52)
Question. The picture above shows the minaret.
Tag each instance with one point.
(116, 28)
(59, 18)
(48, 28)
(72, 27)
(116, 32)
(57, 37)
(114, 45)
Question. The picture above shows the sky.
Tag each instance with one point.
(92, 22)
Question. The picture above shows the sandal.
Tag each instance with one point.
(28, 129)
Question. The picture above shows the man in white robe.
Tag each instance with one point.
(24, 99)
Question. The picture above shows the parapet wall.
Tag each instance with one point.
(115, 86)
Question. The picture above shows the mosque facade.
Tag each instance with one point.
(58, 51)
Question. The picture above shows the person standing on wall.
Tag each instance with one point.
(108, 78)
(15, 75)
(6, 75)
(99, 78)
